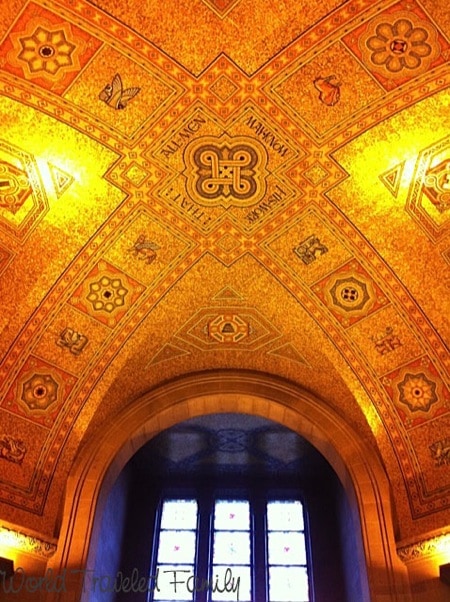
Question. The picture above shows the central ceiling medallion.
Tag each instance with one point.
(225, 171)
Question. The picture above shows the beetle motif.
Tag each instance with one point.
(329, 92)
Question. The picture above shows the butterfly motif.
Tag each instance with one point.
(115, 96)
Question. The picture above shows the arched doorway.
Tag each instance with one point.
(353, 459)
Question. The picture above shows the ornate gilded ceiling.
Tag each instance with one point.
(224, 184)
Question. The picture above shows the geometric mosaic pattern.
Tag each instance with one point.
(106, 294)
(45, 49)
(418, 392)
(398, 44)
(249, 156)
(38, 392)
(350, 294)
(221, 7)
(428, 200)
(233, 327)
(23, 202)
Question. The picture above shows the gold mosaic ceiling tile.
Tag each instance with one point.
(432, 444)
(350, 293)
(308, 247)
(23, 201)
(39, 391)
(274, 311)
(106, 294)
(428, 199)
(71, 340)
(290, 352)
(168, 352)
(386, 340)
(326, 91)
(230, 327)
(148, 250)
(20, 448)
(60, 154)
(418, 392)
(121, 93)
(45, 49)
(392, 178)
(237, 174)
(438, 11)
(202, 34)
(399, 44)
(221, 7)
(6, 257)
(383, 218)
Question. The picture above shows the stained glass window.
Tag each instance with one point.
(176, 551)
(231, 568)
(286, 548)
(230, 550)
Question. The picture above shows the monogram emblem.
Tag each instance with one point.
(14, 187)
(437, 185)
(226, 171)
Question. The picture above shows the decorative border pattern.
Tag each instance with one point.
(425, 547)
(27, 543)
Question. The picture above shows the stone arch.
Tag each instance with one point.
(353, 459)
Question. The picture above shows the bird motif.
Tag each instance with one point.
(329, 92)
(115, 96)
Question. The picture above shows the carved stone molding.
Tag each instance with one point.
(425, 547)
(27, 543)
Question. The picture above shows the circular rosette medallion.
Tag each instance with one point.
(225, 171)
(399, 45)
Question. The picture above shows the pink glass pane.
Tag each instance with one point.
(285, 516)
(288, 584)
(231, 583)
(286, 548)
(176, 547)
(173, 583)
(232, 515)
(179, 514)
(231, 547)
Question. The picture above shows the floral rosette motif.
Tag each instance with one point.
(46, 51)
(400, 46)
(417, 392)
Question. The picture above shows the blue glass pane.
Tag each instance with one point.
(176, 547)
(288, 584)
(179, 514)
(285, 516)
(231, 583)
(286, 548)
(231, 547)
(173, 583)
(232, 515)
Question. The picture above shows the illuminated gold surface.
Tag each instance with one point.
(341, 151)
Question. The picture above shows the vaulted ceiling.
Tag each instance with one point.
(224, 184)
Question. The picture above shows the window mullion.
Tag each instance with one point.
(259, 547)
(203, 547)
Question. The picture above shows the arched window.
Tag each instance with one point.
(224, 548)
(297, 539)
